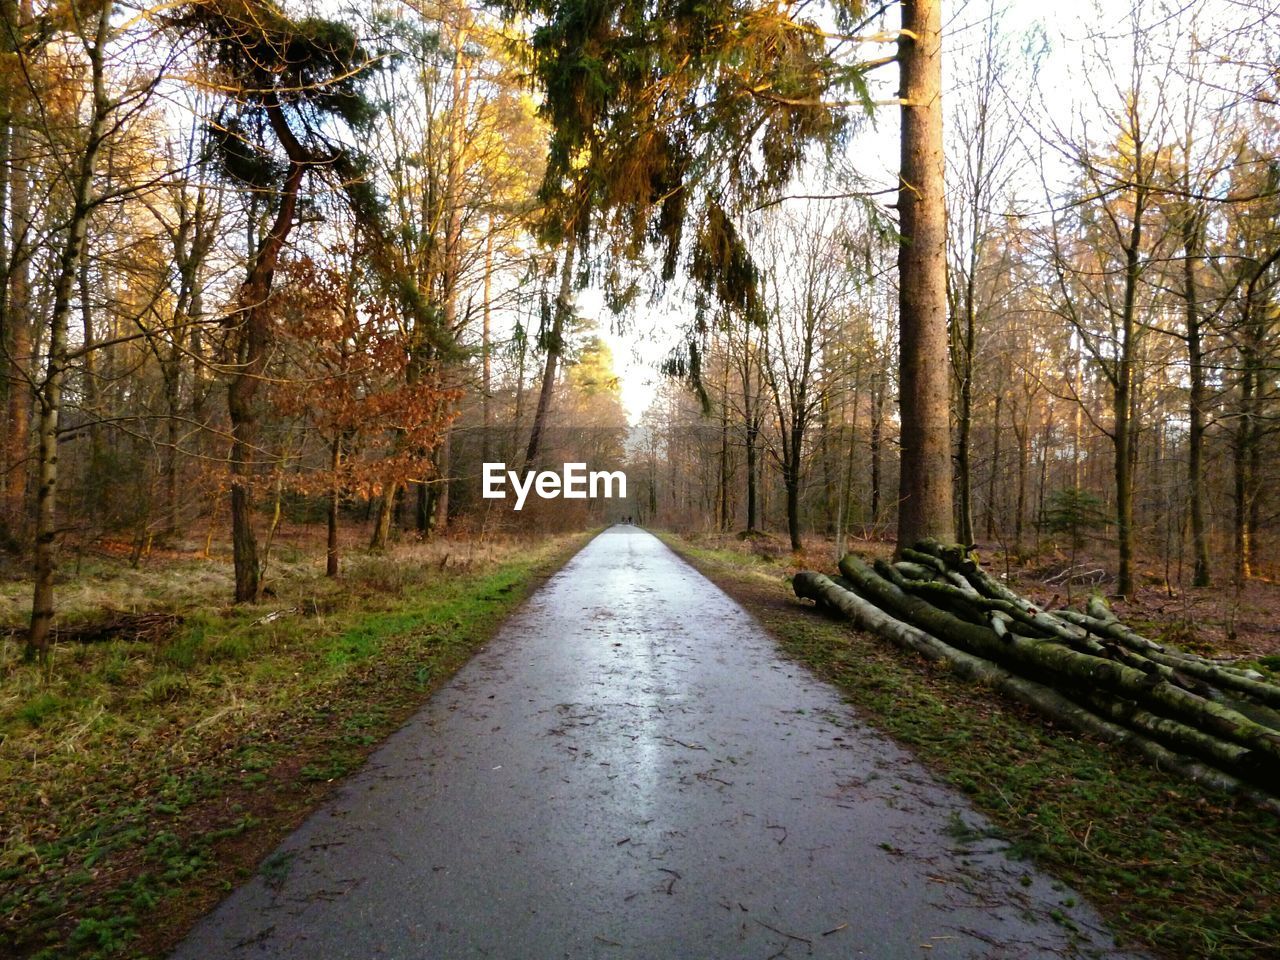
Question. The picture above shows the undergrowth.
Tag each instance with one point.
(139, 780)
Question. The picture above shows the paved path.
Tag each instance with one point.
(630, 770)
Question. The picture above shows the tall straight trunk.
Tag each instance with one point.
(1254, 496)
(653, 489)
(1077, 424)
(98, 500)
(830, 483)
(440, 505)
(964, 408)
(791, 482)
(1196, 431)
(195, 344)
(925, 497)
(995, 472)
(250, 329)
(877, 444)
(1022, 435)
(763, 487)
(1122, 407)
(722, 476)
(50, 395)
(172, 498)
(1247, 449)
(1042, 487)
(461, 87)
(554, 348)
(511, 441)
(486, 352)
(335, 501)
(18, 401)
(17, 316)
(1247, 457)
(6, 384)
(1240, 461)
(751, 400)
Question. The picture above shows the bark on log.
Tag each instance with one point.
(833, 596)
(1047, 658)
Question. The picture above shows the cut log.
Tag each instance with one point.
(834, 596)
(1046, 658)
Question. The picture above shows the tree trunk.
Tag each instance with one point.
(1024, 469)
(877, 444)
(791, 480)
(17, 317)
(46, 557)
(722, 476)
(1123, 396)
(995, 471)
(440, 513)
(554, 347)
(172, 506)
(963, 362)
(452, 267)
(335, 501)
(1196, 431)
(486, 350)
(1241, 461)
(98, 500)
(382, 523)
(925, 500)
(250, 330)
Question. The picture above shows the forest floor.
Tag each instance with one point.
(1182, 871)
(175, 738)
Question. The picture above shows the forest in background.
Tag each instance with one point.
(266, 264)
(1112, 285)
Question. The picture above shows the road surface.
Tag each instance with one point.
(630, 770)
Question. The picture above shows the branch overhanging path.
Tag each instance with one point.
(631, 769)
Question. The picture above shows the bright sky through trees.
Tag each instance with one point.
(1068, 42)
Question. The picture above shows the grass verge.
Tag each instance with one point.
(1174, 869)
(140, 781)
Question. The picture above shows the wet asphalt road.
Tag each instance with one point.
(630, 770)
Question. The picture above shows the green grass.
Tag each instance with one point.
(1175, 869)
(139, 781)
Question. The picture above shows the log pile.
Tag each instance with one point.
(1210, 721)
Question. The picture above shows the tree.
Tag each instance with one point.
(292, 82)
(803, 302)
(92, 29)
(924, 486)
(756, 76)
(984, 136)
(1101, 268)
(347, 352)
(461, 155)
